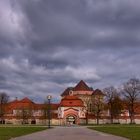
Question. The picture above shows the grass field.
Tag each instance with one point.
(10, 132)
(128, 131)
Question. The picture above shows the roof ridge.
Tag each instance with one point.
(26, 99)
(82, 86)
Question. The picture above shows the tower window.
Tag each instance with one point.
(71, 92)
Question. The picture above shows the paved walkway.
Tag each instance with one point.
(69, 133)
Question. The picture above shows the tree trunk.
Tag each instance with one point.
(97, 118)
(111, 114)
(131, 118)
(132, 114)
(111, 117)
(87, 117)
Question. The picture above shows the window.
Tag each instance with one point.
(70, 92)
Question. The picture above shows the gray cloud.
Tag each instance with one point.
(47, 45)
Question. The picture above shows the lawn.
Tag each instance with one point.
(128, 131)
(10, 132)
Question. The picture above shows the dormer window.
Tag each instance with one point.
(70, 92)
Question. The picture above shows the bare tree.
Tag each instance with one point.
(87, 102)
(3, 100)
(110, 94)
(117, 106)
(24, 113)
(131, 92)
(97, 104)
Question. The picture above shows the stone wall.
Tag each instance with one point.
(81, 121)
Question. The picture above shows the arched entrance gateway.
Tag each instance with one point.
(71, 119)
(71, 116)
(71, 110)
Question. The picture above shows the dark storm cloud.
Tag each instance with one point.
(83, 23)
(47, 45)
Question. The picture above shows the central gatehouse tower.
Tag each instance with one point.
(74, 104)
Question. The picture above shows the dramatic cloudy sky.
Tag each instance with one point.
(47, 45)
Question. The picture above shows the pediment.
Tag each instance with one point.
(71, 109)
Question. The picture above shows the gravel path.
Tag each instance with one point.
(69, 133)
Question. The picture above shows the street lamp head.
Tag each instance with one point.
(49, 97)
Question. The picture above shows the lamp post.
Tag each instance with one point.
(49, 97)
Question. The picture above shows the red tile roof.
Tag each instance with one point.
(71, 101)
(26, 100)
(66, 91)
(26, 103)
(82, 86)
(98, 92)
